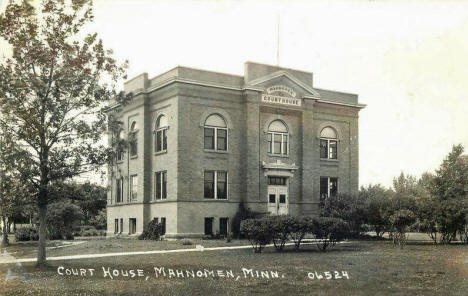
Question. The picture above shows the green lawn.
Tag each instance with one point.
(374, 268)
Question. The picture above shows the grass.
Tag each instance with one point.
(374, 268)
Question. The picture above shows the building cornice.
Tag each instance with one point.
(360, 106)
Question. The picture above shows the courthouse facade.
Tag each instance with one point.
(206, 141)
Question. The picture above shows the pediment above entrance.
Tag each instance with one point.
(279, 168)
(283, 83)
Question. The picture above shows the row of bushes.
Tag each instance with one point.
(32, 234)
(26, 234)
(326, 231)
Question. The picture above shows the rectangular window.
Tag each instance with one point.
(282, 198)
(328, 187)
(216, 185)
(163, 224)
(119, 190)
(133, 187)
(121, 225)
(278, 143)
(132, 226)
(116, 226)
(209, 184)
(161, 140)
(277, 181)
(120, 154)
(209, 226)
(161, 185)
(157, 219)
(209, 138)
(328, 149)
(221, 139)
(223, 226)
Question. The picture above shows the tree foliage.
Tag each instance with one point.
(351, 208)
(53, 92)
(378, 201)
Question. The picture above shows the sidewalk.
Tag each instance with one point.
(8, 259)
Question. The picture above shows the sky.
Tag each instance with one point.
(407, 61)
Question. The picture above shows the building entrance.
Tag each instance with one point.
(278, 201)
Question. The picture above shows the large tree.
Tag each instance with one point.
(53, 91)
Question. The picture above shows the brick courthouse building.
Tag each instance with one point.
(206, 141)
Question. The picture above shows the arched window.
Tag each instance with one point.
(278, 138)
(215, 133)
(133, 137)
(328, 143)
(161, 134)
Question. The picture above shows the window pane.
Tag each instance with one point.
(277, 143)
(134, 187)
(323, 188)
(277, 148)
(222, 139)
(285, 144)
(163, 223)
(164, 139)
(333, 150)
(272, 198)
(117, 191)
(223, 226)
(222, 185)
(282, 198)
(323, 149)
(158, 141)
(164, 185)
(333, 186)
(158, 185)
(209, 138)
(209, 186)
(269, 143)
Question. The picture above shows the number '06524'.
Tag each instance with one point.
(328, 275)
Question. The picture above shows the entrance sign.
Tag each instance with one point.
(279, 98)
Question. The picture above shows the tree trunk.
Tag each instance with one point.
(5, 241)
(41, 249)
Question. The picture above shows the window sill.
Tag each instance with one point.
(158, 200)
(119, 162)
(216, 199)
(134, 156)
(329, 159)
(160, 152)
(278, 155)
(216, 151)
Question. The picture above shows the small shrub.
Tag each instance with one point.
(329, 231)
(26, 234)
(242, 213)
(152, 232)
(280, 228)
(257, 232)
(22, 234)
(300, 226)
(401, 221)
(187, 242)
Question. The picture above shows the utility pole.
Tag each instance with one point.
(278, 41)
